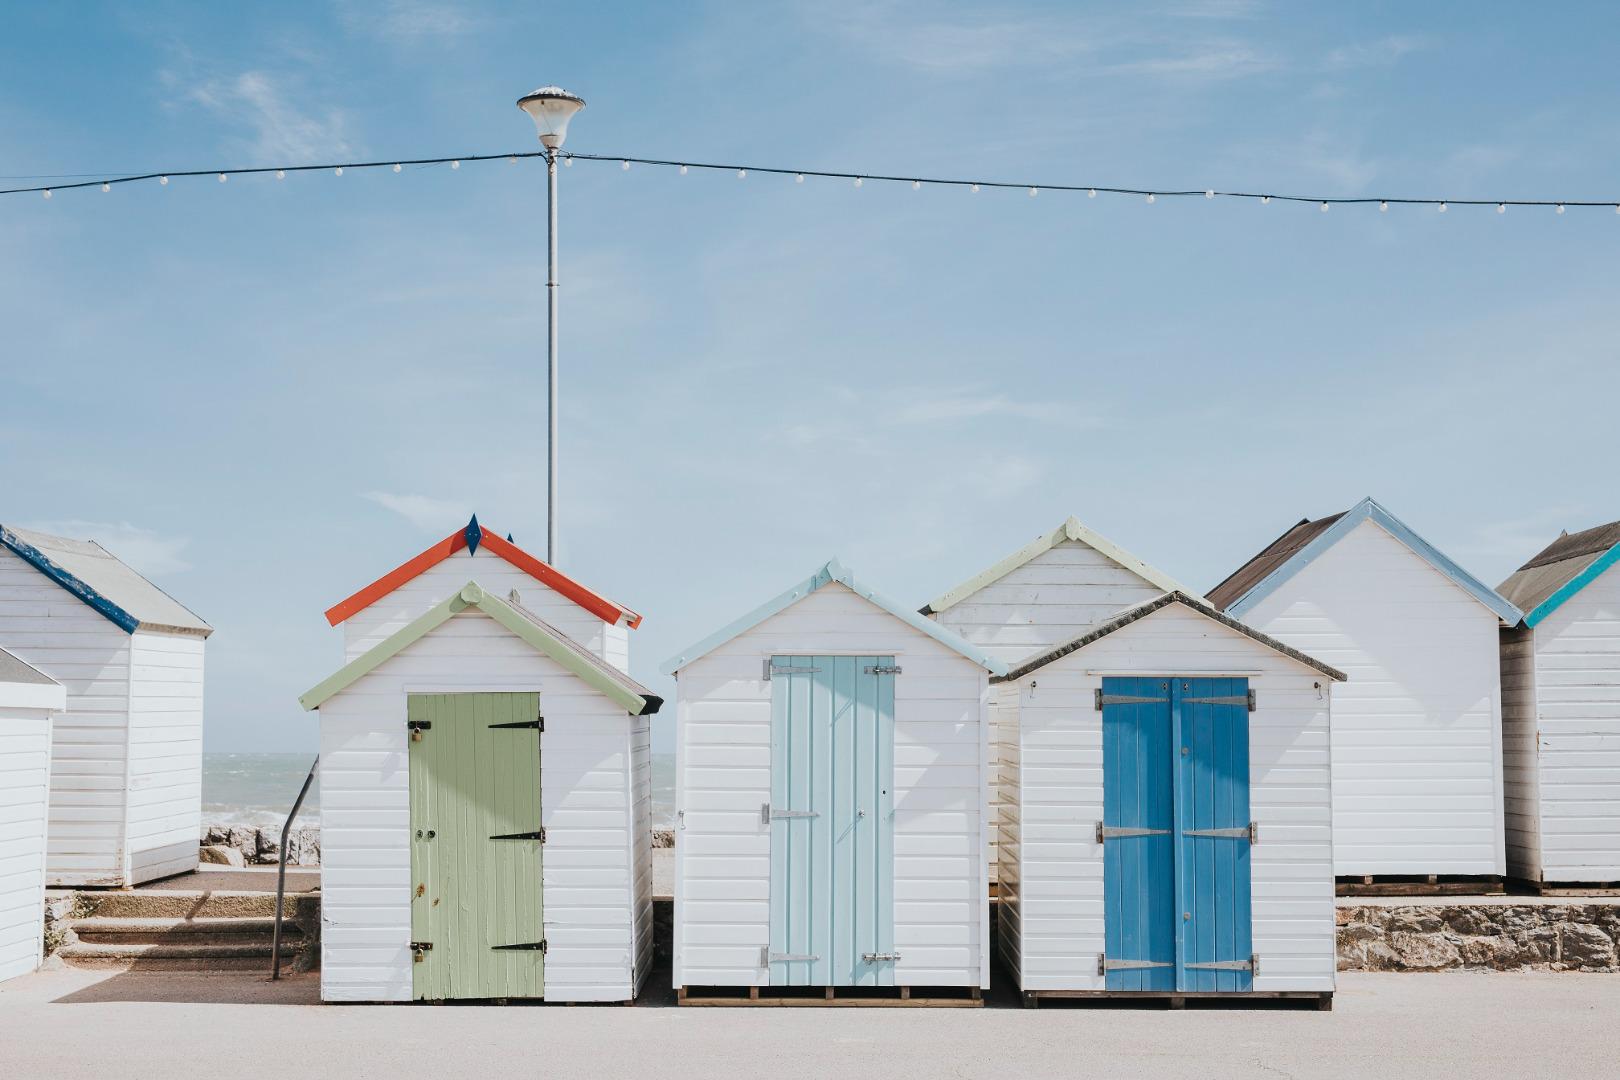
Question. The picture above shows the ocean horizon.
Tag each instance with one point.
(258, 789)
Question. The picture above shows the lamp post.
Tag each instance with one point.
(551, 107)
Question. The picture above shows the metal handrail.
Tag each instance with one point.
(281, 871)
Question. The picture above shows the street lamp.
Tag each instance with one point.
(551, 107)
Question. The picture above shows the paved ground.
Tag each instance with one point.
(70, 1024)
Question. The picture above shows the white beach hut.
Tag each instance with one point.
(28, 700)
(1052, 590)
(1417, 731)
(830, 792)
(486, 787)
(1561, 713)
(126, 756)
(1167, 830)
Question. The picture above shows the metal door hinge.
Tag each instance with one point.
(522, 946)
(418, 948)
(1249, 832)
(883, 669)
(767, 958)
(1105, 965)
(1251, 964)
(1112, 832)
(766, 814)
(538, 724)
(1102, 699)
(880, 958)
(772, 669)
(539, 834)
(1244, 699)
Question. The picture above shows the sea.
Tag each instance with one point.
(259, 789)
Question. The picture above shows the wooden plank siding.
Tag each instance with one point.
(1521, 798)
(588, 807)
(1417, 751)
(370, 626)
(25, 779)
(1052, 914)
(723, 746)
(165, 754)
(1577, 688)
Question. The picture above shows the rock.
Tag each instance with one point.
(244, 838)
(1414, 921)
(216, 834)
(220, 854)
(1423, 952)
(1467, 920)
(1584, 946)
(267, 846)
(663, 838)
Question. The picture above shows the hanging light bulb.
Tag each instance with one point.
(1092, 194)
(163, 180)
(338, 171)
(798, 178)
(512, 160)
(1383, 205)
(281, 174)
(1265, 200)
(1560, 208)
(222, 178)
(857, 181)
(455, 164)
(1034, 191)
(568, 161)
(683, 170)
(975, 187)
(1501, 208)
(1209, 194)
(396, 167)
(742, 174)
(1443, 208)
(916, 185)
(47, 193)
(1152, 198)
(1617, 208)
(106, 187)
(625, 165)
(1324, 206)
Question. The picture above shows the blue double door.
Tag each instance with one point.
(1176, 834)
(831, 819)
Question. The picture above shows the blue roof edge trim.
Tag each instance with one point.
(1572, 586)
(31, 555)
(833, 571)
(1369, 509)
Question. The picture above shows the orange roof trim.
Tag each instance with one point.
(597, 605)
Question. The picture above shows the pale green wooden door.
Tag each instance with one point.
(476, 843)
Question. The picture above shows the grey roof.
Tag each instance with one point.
(96, 576)
(1279, 551)
(13, 670)
(654, 702)
(1130, 615)
(1557, 564)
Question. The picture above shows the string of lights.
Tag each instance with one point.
(858, 179)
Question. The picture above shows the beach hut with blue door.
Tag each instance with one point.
(1417, 734)
(1561, 713)
(831, 782)
(1167, 826)
(486, 786)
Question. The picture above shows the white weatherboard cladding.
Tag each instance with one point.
(1574, 734)
(372, 625)
(723, 777)
(1057, 596)
(25, 778)
(1051, 921)
(1417, 753)
(91, 771)
(165, 753)
(591, 786)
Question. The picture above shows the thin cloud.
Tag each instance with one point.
(408, 19)
(1384, 52)
(970, 406)
(151, 553)
(423, 511)
(281, 129)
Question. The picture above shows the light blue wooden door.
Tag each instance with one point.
(1139, 866)
(1176, 835)
(832, 821)
(1213, 805)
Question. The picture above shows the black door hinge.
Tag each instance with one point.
(523, 946)
(539, 834)
(538, 724)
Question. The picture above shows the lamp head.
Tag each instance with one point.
(551, 107)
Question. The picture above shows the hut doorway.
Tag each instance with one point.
(831, 819)
(477, 928)
(1176, 834)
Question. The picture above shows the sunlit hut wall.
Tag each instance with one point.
(482, 685)
(126, 755)
(29, 699)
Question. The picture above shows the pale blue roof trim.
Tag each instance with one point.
(1572, 586)
(834, 571)
(1369, 509)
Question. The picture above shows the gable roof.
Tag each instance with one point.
(541, 635)
(1130, 615)
(1562, 569)
(1297, 548)
(470, 538)
(1071, 529)
(829, 573)
(93, 574)
(24, 686)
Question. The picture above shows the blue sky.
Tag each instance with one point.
(264, 394)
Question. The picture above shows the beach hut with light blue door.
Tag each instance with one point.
(831, 787)
(1167, 829)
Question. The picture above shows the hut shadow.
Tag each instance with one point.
(198, 988)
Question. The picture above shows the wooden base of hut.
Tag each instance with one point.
(825, 997)
(1322, 1000)
(1419, 885)
(1569, 888)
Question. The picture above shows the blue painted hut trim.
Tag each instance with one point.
(1573, 586)
(1364, 510)
(834, 571)
(31, 555)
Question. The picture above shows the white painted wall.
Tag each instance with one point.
(641, 860)
(1417, 753)
(1577, 687)
(588, 781)
(25, 781)
(165, 754)
(1051, 922)
(723, 776)
(367, 628)
(47, 626)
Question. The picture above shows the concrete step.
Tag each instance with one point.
(206, 931)
(169, 904)
(169, 957)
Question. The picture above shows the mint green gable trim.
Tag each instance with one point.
(831, 572)
(1573, 586)
(1369, 509)
(472, 595)
(1071, 529)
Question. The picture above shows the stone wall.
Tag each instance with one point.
(247, 845)
(1506, 935)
